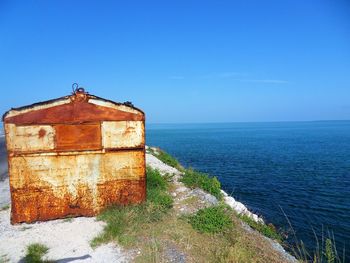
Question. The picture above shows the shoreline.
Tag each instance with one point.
(240, 208)
(237, 206)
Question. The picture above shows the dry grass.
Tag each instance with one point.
(234, 245)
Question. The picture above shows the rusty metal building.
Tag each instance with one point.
(73, 156)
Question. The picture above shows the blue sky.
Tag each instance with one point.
(182, 61)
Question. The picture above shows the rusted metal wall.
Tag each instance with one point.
(74, 156)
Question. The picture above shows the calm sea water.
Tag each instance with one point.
(301, 167)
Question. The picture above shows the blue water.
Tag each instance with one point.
(301, 167)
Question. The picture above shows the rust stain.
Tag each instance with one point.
(22, 139)
(25, 202)
(74, 158)
(78, 137)
(42, 133)
(68, 170)
(74, 112)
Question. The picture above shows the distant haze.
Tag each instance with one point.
(182, 61)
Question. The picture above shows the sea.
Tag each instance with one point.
(296, 175)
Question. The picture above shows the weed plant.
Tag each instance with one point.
(35, 253)
(267, 230)
(193, 179)
(213, 219)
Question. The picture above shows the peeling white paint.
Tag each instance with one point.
(15, 112)
(114, 106)
(68, 172)
(29, 138)
(122, 134)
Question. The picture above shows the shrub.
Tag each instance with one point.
(215, 219)
(193, 179)
(35, 252)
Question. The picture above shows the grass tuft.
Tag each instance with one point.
(123, 222)
(166, 158)
(35, 253)
(329, 251)
(193, 179)
(215, 219)
(268, 230)
(5, 207)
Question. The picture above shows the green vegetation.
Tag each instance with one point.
(329, 252)
(215, 219)
(5, 207)
(124, 222)
(325, 253)
(193, 179)
(68, 219)
(24, 228)
(221, 238)
(166, 158)
(35, 253)
(267, 230)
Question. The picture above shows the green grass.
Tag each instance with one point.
(5, 207)
(167, 158)
(267, 230)
(329, 252)
(35, 253)
(24, 228)
(215, 219)
(193, 179)
(124, 222)
(325, 252)
(68, 219)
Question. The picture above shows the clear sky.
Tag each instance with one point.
(182, 61)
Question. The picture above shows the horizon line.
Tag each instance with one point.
(213, 122)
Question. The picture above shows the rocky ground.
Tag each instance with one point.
(68, 239)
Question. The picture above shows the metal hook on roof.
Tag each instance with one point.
(75, 87)
(80, 90)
